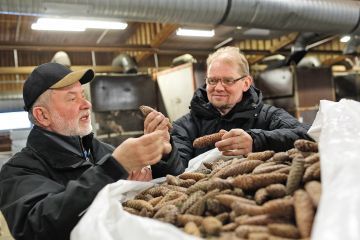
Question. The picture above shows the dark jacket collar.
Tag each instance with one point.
(246, 108)
(59, 150)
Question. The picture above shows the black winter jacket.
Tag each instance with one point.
(45, 188)
(270, 127)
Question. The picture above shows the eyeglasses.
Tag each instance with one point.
(224, 81)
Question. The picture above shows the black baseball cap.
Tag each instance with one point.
(51, 76)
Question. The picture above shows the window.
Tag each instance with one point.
(14, 120)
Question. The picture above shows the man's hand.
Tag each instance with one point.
(135, 153)
(156, 121)
(235, 142)
(143, 175)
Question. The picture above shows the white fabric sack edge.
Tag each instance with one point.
(105, 218)
(338, 127)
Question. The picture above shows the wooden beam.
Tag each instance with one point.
(336, 46)
(256, 59)
(151, 33)
(266, 48)
(164, 33)
(74, 48)
(99, 48)
(18, 24)
(332, 61)
(283, 42)
(29, 69)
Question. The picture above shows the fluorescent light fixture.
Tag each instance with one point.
(195, 33)
(58, 24)
(51, 27)
(345, 39)
(106, 25)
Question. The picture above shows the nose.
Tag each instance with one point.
(219, 86)
(86, 104)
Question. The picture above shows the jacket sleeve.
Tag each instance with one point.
(182, 151)
(170, 164)
(281, 132)
(37, 207)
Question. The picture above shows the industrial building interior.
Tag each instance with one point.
(297, 51)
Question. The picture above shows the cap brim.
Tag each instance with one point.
(82, 76)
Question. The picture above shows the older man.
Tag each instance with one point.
(231, 104)
(45, 187)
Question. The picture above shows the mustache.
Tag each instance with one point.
(85, 113)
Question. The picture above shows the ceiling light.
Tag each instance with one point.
(106, 25)
(195, 33)
(58, 24)
(51, 27)
(345, 39)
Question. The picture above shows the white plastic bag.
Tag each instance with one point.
(337, 127)
(105, 219)
(209, 156)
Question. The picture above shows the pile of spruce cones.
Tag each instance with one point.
(266, 195)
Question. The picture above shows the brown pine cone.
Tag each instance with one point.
(207, 140)
(145, 110)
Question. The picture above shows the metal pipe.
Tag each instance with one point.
(328, 16)
(352, 46)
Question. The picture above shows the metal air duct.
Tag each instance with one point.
(331, 16)
(352, 46)
(328, 16)
(126, 62)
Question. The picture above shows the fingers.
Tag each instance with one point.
(144, 174)
(234, 133)
(235, 142)
(136, 153)
(167, 148)
(235, 152)
(155, 121)
(232, 143)
(154, 145)
(223, 131)
(151, 147)
(152, 137)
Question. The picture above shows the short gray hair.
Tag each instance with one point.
(42, 100)
(230, 54)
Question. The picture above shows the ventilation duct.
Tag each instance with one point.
(352, 45)
(300, 47)
(331, 16)
(299, 50)
(185, 58)
(305, 39)
(63, 58)
(126, 62)
(309, 62)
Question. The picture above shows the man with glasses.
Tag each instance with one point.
(231, 104)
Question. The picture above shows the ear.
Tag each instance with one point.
(42, 116)
(247, 83)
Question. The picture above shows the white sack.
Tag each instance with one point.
(337, 125)
(105, 219)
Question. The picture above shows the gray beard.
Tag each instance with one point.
(224, 108)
